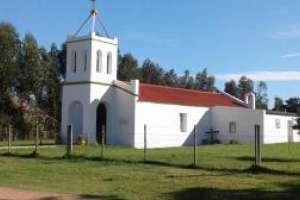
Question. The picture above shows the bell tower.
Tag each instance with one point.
(91, 70)
(92, 57)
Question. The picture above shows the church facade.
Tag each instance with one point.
(100, 107)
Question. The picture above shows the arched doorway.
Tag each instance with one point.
(75, 119)
(101, 129)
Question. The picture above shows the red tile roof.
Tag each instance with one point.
(180, 96)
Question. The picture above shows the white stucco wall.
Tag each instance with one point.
(273, 134)
(80, 48)
(163, 124)
(120, 113)
(245, 120)
(72, 93)
(119, 105)
(106, 46)
(90, 45)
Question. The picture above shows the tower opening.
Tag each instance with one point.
(101, 123)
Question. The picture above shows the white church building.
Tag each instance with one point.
(98, 105)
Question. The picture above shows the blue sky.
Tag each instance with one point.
(259, 38)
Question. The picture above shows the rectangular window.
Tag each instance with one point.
(232, 127)
(183, 122)
(99, 61)
(75, 62)
(277, 123)
(85, 61)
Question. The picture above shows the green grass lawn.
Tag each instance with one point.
(222, 172)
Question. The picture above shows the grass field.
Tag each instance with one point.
(222, 173)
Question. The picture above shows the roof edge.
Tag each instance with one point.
(237, 100)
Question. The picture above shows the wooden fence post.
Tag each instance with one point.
(257, 146)
(69, 140)
(195, 144)
(8, 139)
(36, 138)
(145, 142)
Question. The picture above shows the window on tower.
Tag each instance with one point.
(85, 56)
(74, 61)
(99, 61)
(109, 63)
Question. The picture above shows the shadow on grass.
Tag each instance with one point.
(290, 192)
(267, 159)
(227, 171)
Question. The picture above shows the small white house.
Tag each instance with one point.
(98, 105)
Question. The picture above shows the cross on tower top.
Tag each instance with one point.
(93, 15)
(93, 18)
(94, 10)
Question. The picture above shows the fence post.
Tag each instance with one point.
(102, 142)
(69, 140)
(195, 144)
(36, 138)
(145, 142)
(8, 139)
(257, 146)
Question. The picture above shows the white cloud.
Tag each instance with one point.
(263, 76)
(291, 55)
(288, 34)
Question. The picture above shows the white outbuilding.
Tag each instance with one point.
(98, 106)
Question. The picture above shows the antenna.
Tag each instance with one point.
(94, 17)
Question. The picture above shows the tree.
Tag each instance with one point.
(31, 70)
(297, 125)
(170, 78)
(128, 68)
(62, 59)
(201, 79)
(204, 81)
(261, 95)
(52, 82)
(231, 88)
(152, 73)
(279, 105)
(245, 85)
(293, 105)
(186, 81)
(9, 54)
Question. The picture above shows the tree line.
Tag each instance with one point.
(151, 72)
(29, 72)
(34, 74)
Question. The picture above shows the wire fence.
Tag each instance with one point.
(197, 154)
(11, 137)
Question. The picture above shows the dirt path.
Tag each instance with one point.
(15, 194)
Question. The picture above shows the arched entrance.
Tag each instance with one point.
(75, 119)
(101, 129)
